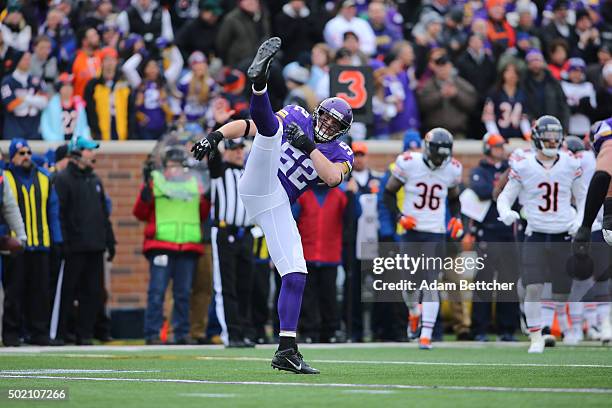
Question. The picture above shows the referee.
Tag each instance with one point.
(232, 245)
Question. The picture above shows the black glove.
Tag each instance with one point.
(207, 146)
(111, 252)
(581, 245)
(147, 168)
(298, 139)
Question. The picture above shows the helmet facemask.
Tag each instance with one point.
(438, 155)
(549, 142)
(328, 125)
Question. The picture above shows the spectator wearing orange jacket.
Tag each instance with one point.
(499, 32)
(87, 63)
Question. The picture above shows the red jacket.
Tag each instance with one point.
(320, 226)
(145, 211)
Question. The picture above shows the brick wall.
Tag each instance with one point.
(121, 175)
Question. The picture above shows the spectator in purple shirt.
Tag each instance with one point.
(386, 34)
(407, 116)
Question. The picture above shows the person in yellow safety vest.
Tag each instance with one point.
(173, 205)
(26, 279)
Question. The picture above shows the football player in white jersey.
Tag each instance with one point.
(548, 180)
(430, 179)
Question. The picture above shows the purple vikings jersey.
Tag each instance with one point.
(151, 107)
(296, 171)
(603, 133)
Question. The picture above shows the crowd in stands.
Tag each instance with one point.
(131, 70)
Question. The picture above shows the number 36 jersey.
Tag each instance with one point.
(546, 194)
(296, 172)
(426, 190)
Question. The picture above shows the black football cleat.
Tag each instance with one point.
(259, 70)
(293, 361)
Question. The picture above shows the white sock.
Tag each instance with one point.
(263, 91)
(576, 312)
(590, 314)
(428, 318)
(535, 335)
(533, 315)
(520, 291)
(603, 311)
(562, 316)
(548, 314)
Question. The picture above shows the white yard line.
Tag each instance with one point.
(368, 392)
(72, 371)
(206, 395)
(324, 385)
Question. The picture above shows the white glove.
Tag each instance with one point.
(509, 217)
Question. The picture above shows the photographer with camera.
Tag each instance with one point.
(172, 203)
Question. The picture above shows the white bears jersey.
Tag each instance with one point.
(517, 155)
(588, 162)
(426, 190)
(547, 193)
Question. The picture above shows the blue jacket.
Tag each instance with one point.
(385, 218)
(51, 121)
(482, 181)
(27, 178)
(4, 229)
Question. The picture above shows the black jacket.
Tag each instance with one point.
(240, 34)
(297, 32)
(545, 98)
(84, 213)
(197, 35)
(481, 75)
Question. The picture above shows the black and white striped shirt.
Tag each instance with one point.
(226, 205)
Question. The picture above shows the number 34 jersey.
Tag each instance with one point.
(546, 193)
(296, 172)
(426, 190)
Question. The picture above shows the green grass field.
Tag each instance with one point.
(453, 374)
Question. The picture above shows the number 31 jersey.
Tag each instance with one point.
(296, 172)
(426, 190)
(547, 193)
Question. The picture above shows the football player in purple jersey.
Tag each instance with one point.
(600, 188)
(291, 152)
